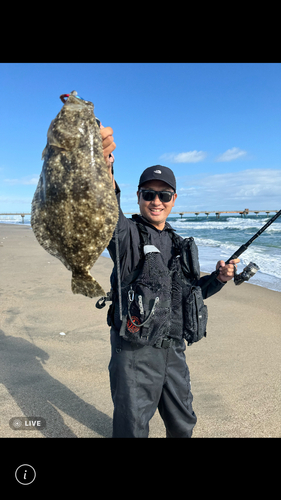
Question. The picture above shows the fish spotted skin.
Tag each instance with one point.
(74, 208)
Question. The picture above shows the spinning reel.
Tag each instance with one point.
(247, 273)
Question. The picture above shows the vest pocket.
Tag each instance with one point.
(195, 316)
(147, 316)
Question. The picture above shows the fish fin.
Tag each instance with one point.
(86, 285)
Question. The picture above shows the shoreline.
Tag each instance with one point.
(263, 280)
(235, 371)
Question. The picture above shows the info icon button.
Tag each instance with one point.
(25, 474)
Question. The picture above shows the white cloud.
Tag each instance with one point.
(231, 154)
(255, 189)
(187, 157)
(13, 200)
(24, 180)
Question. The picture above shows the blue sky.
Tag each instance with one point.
(217, 125)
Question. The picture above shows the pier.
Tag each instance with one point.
(22, 215)
(244, 212)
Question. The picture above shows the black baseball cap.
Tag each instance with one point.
(159, 173)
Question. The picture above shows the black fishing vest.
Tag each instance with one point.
(160, 301)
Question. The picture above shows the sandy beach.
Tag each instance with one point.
(235, 371)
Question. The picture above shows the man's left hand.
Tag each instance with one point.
(226, 270)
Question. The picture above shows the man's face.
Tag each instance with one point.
(156, 211)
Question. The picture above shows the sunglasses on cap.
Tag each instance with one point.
(150, 195)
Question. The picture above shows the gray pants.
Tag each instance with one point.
(143, 378)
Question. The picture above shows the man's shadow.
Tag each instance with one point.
(35, 391)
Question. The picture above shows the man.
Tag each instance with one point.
(146, 377)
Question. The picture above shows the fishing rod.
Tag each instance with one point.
(251, 268)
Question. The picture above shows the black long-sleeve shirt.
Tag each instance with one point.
(129, 241)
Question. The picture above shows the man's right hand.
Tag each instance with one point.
(108, 143)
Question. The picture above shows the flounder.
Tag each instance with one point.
(74, 208)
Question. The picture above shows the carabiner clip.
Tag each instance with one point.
(62, 98)
(74, 93)
(131, 295)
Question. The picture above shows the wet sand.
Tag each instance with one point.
(235, 371)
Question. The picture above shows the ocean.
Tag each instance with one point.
(219, 238)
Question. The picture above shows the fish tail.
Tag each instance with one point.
(86, 285)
